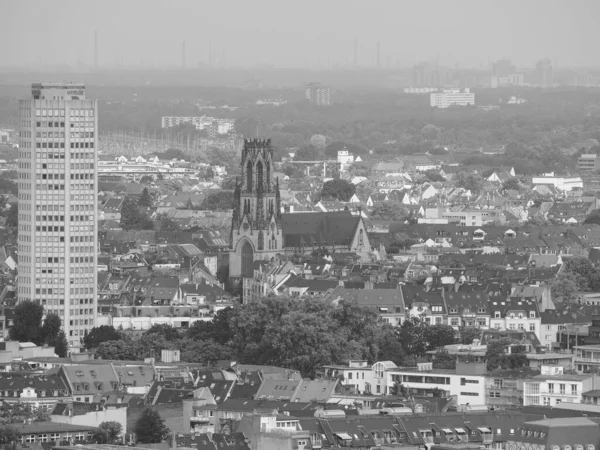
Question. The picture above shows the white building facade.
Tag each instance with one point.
(452, 97)
(58, 204)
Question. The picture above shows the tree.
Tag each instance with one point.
(8, 435)
(587, 276)
(147, 179)
(433, 175)
(468, 335)
(51, 327)
(338, 189)
(53, 336)
(12, 216)
(470, 182)
(511, 184)
(168, 224)
(120, 350)
(444, 360)
(98, 335)
(439, 335)
(564, 287)
(27, 322)
(412, 336)
(219, 201)
(389, 211)
(108, 432)
(150, 427)
(497, 357)
(132, 218)
(61, 345)
(145, 198)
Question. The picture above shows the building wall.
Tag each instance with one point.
(58, 205)
(465, 388)
(95, 418)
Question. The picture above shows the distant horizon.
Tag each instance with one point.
(311, 34)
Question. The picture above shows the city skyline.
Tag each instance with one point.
(174, 34)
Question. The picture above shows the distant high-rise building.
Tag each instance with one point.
(452, 97)
(318, 94)
(544, 73)
(503, 68)
(58, 204)
(428, 75)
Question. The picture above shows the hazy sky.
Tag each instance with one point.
(306, 33)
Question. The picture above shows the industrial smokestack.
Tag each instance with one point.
(183, 55)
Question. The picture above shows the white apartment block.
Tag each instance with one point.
(58, 204)
(452, 97)
(553, 387)
(318, 94)
(214, 125)
(464, 384)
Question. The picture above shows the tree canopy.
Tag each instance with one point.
(219, 201)
(132, 218)
(339, 189)
(389, 211)
(150, 427)
(98, 335)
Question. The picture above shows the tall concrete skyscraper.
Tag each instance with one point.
(58, 204)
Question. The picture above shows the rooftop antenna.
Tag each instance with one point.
(183, 55)
(96, 48)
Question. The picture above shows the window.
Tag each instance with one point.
(551, 388)
(532, 327)
(562, 388)
(573, 389)
(532, 314)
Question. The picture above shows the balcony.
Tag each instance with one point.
(560, 394)
(582, 359)
(200, 419)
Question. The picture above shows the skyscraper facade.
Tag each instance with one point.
(318, 94)
(58, 204)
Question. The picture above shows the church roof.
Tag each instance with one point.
(311, 228)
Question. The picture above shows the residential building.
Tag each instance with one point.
(466, 384)
(355, 374)
(559, 182)
(53, 433)
(553, 386)
(516, 314)
(588, 162)
(58, 205)
(452, 97)
(213, 125)
(558, 433)
(318, 94)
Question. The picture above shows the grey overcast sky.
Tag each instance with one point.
(306, 33)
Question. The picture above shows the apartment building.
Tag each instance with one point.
(452, 97)
(58, 205)
(553, 386)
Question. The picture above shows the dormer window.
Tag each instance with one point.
(532, 314)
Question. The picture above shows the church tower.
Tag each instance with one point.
(256, 223)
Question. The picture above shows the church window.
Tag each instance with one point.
(360, 238)
(269, 178)
(261, 240)
(249, 177)
(259, 176)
